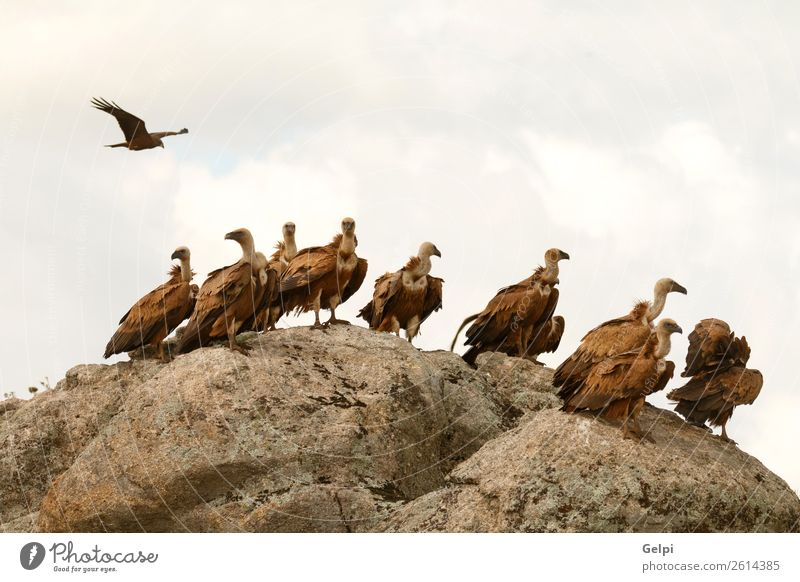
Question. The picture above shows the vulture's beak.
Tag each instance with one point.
(176, 255)
(161, 145)
(678, 288)
(678, 329)
(233, 235)
(437, 252)
(562, 255)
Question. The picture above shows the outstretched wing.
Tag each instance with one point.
(131, 126)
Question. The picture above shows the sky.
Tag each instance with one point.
(646, 139)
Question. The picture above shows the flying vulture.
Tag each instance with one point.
(405, 298)
(136, 134)
(624, 334)
(617, 386)
(507, 322)
(324, 277)
(227, 298)
(158, 313)
(285, 251)
(720, 381)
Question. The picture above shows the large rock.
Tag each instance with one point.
(349, 430)
(557, 472)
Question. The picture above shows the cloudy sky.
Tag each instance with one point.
(646, 139)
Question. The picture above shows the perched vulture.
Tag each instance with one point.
(324, 277)
(720, 381)
(227, 298)
(714, 347)
(405, 298)
(285, 251)
(136, 134)
(617, 386)
(158, 313)
(624, 334)
(266, 290)
(545, 338)
(507, 322)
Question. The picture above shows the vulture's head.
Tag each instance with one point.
(348, 225)
(669, 326)
(240, 235)
(667, 285)
(288, 229)
(428, 249)
(182, 253)
(552, 256)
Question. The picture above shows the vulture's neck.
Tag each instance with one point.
(664, 344)
(348, 245)
(186, 271)
(659, 300)
(248, 251)
(423, 267)
(550, 273)
(289, 247)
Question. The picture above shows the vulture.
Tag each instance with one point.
(405, 298)
(227, 298)
(265, 291)
(285, 251)
(324, 277)
(136, 134)
(623, 334)
(719, 381)
(158, 313)
(507, 322)
(616, 387)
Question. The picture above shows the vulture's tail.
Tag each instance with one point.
(470, 319)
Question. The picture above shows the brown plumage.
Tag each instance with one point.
(616, 336)
(266, 290)
(720, 381)
(285, 251)
(507, 322)
(324, 277)
(157, 314)
(616, 387)
(545, 338)
(136, 135)
(714, 347)
(405, 298)
(226, 300)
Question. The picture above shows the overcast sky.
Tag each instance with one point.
(646, 139)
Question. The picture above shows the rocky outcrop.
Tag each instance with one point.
(348, 430)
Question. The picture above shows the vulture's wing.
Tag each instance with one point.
(744, 389)
(385, 288)
(708, 344)
(356, 279)
(131, 126)
(433, 297)
(661, 381)
(307, 266)
(158, 309)
(622, 376)
(494, 322)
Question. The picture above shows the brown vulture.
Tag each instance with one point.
(508, 321)
(227, 298)
(405, 298)
(617, 386)
(136, 134)
(720, 381)
(324, 277)
(623, 334)
(158, 313)
(285, 251)
(266, 290)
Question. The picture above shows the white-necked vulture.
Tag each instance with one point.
(136, 135)
(324, 277)
(285, 251)
(623, 334)
(507, 322)
(405, 298)
(226, 300)
(617, 386)
(158, 313)
(720, 381)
